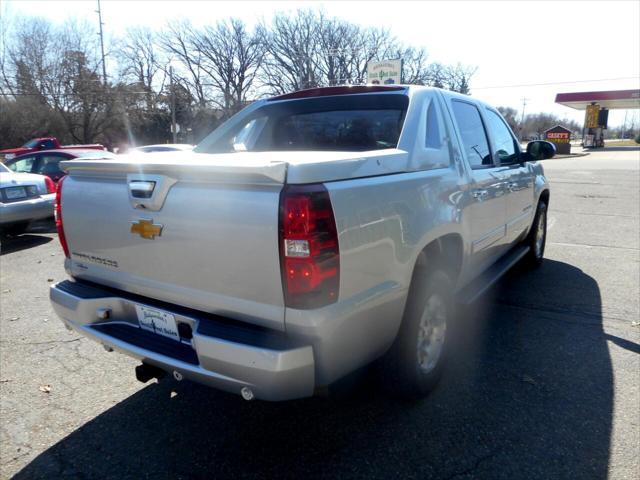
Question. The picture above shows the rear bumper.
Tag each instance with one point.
(27, 210)
(222, 353)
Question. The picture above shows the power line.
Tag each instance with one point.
(555, 83)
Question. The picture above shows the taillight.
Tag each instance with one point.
(309, 253)
(58, 217)
(51, 187)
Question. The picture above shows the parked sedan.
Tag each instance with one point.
(47, 162)
(24, 197)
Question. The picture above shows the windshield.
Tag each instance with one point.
(31, 144)
(336, 123)
(3, 168)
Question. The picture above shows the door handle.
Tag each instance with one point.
(141, 188)
(512, 186)
(480, 194)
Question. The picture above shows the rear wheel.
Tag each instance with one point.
(537, 238)
(414, 364)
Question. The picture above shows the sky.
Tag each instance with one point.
(574, 46)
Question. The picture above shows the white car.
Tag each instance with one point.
(164, 147)
(24, 197)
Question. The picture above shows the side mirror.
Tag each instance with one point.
(540, 150)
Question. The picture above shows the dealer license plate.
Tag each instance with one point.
(157, 321)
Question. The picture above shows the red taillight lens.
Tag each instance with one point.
(51, 187)
(58, 216)
(309, 252)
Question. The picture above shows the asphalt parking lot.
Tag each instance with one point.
(546, 383)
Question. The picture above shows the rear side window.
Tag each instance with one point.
(24, 165)
(334, 123)
(47, 144)
(474, 136)
(433, 137)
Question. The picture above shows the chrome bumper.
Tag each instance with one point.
(26, 210)
(222, 353)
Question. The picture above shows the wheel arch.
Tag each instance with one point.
(544, 196)
(445, 252)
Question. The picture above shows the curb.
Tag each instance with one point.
(571, 155)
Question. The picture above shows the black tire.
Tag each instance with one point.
(535, 255)
(402, 372)
(15, 229)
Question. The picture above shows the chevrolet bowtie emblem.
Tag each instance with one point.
(146, 229)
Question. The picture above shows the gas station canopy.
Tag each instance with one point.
(612, 99)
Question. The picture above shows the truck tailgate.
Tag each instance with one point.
(206, 238)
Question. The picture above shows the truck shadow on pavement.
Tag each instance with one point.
(528, 395)
(33, 237)
(21, 242)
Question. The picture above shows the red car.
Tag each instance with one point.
(45, 143)
(47, 162)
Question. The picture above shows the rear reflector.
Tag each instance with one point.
(309, 252)
(58, 217)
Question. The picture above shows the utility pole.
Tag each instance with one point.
(173, 107)
(624, 125)
(524, 104)
(104, 64)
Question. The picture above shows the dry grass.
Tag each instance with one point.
(621, 143)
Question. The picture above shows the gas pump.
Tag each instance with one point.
(595, 123)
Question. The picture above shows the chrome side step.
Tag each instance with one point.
(484, 282)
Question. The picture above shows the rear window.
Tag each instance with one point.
(340, 123)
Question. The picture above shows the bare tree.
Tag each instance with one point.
(536, 124)
(511, 116)
(6, 82)
(291, 60)
(73, 83)
(50, 78)
(339, 43)
(56, 68)
(415, 69)
(459, 77)
(375, 44)
(141, 63)
(231, 57)
(177, 41)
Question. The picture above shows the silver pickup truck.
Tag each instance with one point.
(308, 236)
